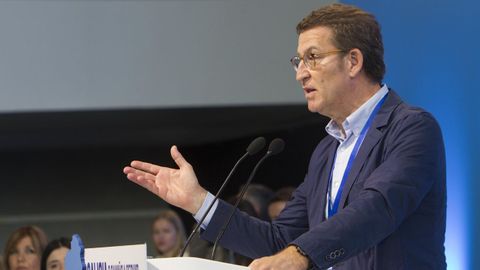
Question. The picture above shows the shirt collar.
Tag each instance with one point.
(354, 123)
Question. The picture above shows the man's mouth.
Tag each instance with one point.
(309, 90)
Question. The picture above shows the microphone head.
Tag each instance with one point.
(256, 145)
(276, 146)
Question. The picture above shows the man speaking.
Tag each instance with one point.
(374, 196)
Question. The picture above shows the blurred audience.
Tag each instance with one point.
(277, 203)
(249, 209)
(27, 249)
(259, 196)
(24, 249)
(203, 249)
(168, 234)
(53, 258)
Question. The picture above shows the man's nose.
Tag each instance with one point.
(302, 72)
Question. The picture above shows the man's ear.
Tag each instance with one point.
(355, 62)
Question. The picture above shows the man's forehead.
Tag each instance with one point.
(318, 37)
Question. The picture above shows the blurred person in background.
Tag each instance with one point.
(53, 258)
(168, 234)
(279, 200)
(248, 208)
(259, 196)
(24, 248)
(203, 249)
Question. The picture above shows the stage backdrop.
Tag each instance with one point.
(432, 61)
(83, 55)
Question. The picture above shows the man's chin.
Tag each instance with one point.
(312, 107)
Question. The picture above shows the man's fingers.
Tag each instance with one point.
(142, 181)
(138, 175)
(129, 170)
(255, 265)
(145, 166)
(178, 158)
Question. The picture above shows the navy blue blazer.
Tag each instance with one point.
(391, 213)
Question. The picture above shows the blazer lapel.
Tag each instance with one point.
(371, 139)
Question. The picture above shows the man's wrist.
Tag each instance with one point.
(209, 199)
(306, 260)
(198, 202)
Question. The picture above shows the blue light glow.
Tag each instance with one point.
(430, 63)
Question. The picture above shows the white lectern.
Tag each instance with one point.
(133, 257)
(190, 263)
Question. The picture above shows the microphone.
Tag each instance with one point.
(275, 147)
(254, 147)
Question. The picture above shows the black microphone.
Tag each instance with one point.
(275, 147)
(254, 147)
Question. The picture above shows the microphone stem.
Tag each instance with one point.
(239, 199)
(190, 237)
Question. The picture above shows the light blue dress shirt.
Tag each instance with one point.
(352, 126)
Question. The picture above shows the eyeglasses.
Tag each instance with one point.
(311, 59)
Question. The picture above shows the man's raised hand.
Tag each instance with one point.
(178, 187)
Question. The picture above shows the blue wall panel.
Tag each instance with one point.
(432, 52)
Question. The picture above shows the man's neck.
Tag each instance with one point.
(359, 96)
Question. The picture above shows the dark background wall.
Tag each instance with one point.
(63, 171)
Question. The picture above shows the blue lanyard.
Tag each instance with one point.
(332, 209)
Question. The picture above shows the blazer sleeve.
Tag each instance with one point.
(256, 238)
(413, 160)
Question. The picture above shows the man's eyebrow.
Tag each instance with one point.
(308, 49)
